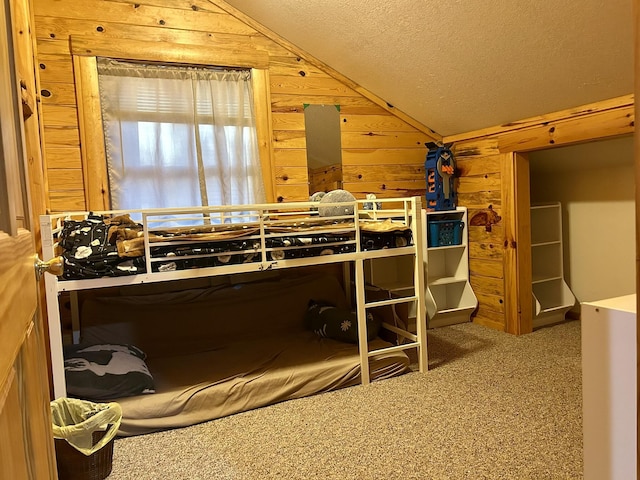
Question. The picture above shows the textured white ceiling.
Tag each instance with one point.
(462, 65)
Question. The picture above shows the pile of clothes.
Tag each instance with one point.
(90, 247)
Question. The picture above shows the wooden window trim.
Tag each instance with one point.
(92, 150)
(94, 161)
(165, 52)
(264, 131)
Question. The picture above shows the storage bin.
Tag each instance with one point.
(74, 465)
(445, 232)
(84, 433)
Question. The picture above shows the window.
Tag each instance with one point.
(179, 136)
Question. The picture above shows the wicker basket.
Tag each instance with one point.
(74, 465)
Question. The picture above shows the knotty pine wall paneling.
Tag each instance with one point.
(480, 188)
(383, 149)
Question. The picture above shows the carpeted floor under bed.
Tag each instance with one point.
(492, 406)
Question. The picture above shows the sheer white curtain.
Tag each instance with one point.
(178, 136)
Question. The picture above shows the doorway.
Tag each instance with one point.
(594, 184)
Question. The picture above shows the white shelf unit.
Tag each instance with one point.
(552, 297)
(449, 296)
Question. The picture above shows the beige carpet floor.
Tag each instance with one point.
(492, 406)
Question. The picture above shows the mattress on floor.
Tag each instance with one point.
(226, 349)
(207, 385)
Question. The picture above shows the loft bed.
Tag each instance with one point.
(248, 339)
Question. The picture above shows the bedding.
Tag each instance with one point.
(217, 351)
(202, 386)
(89, 251)
(329, 321)
(104, 372)
(103, 246)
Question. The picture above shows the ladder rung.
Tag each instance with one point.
(396, 348)
(391, 301)
(400, 331)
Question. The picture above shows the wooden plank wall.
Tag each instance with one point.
(325, 179)
(383, 150)
(480, 189)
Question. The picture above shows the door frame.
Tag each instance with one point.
(511, 143)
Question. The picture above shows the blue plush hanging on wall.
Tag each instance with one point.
(440, 171)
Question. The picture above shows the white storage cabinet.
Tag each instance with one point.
(609, 388)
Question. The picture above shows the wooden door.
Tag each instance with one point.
(26, 440)
(636, 16)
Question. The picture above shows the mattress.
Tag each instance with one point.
(207, 385)
(222, 350)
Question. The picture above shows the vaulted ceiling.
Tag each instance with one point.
(463, 65)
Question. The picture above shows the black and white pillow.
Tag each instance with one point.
(329, 321)
(106, 372)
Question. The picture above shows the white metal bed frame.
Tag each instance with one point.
(408, 210)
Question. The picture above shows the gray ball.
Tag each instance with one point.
(336, 196)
